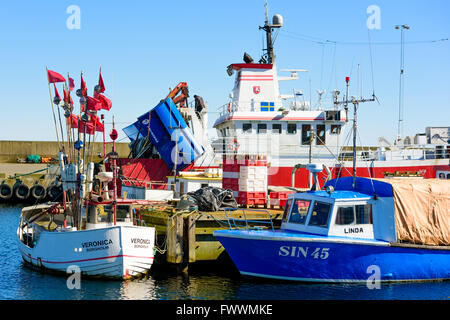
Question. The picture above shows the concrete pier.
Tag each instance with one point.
(10, 151)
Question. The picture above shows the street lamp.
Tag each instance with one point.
(401, 85)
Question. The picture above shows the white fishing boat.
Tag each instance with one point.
(91, 231)
(101, 249)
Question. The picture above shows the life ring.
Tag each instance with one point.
(229, 107)
(233, 145)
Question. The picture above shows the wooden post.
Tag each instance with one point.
(190, 231)
(175, 240)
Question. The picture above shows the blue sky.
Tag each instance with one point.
(145, 47)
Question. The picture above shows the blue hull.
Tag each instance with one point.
(301, 257)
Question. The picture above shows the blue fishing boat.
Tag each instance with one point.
(352, 232)
(353, 229)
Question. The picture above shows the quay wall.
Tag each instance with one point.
(10, 151)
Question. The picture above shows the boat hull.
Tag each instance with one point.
(119, 252)
(281, 255)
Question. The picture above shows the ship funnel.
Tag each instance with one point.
(277, 21)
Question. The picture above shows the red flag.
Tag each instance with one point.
(71, 84)
(83, 86)
(93, 104)
(54, 77)
(70, 98)
(106, 103)
(67, 97)
(89, 127)
(101, 84)
(73, 121)
(56, 92)
(98, 123)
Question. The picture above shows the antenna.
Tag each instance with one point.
(266, 12)
(277, 22)
(320, 93)
(355, 103)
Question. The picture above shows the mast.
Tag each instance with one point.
(277, 22)
(355, 103)
(113, 156)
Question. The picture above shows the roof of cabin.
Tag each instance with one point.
(239, 66)
(338, 194)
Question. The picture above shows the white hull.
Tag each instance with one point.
(120, 252)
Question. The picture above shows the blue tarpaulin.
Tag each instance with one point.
(167, 126)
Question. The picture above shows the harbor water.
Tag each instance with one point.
(19, 282)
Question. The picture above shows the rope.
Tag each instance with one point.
(26, 174)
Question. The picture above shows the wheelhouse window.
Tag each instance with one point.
(320, 136)
(286, 210)
(363, 214)
(291, 128)
(320, 214)
(306, 134)
(106, 213)
(299, 211)
(276, 128)
(335, 129)
(247, 127)
(359, 214)
(262, 128)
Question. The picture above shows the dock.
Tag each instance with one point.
(185, 238)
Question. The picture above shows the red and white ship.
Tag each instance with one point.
(289, 133)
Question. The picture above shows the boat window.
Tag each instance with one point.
(276, 128)
(359, 214)
(247, 127)
(262, 128)
(292, 128)
(122, 213)
(320, 214)
(345, 215)
(363, 214)
(286, 210)
(335, 129)
(299, 211)
(320, 136)
(306, 134)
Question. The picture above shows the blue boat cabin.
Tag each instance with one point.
(341, 213)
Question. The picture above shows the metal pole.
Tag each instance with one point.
(355, 107)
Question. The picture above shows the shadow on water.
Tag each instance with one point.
(203, 282)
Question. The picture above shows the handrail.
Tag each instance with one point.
(232, 220)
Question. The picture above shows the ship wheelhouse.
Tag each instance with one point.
(257, 121)
(341, 213)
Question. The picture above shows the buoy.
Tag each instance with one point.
(54, 192)
(21, 191)
(38, 192)
(5, 191)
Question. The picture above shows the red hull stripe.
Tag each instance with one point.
(82, 260)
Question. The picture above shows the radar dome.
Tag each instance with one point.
(277, 20)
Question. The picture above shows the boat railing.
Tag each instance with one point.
(242, 106)
(237, 223)
(29, 232)
(146, 184)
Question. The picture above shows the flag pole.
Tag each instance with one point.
(69, 127)
(53, 109)
(60, 124)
